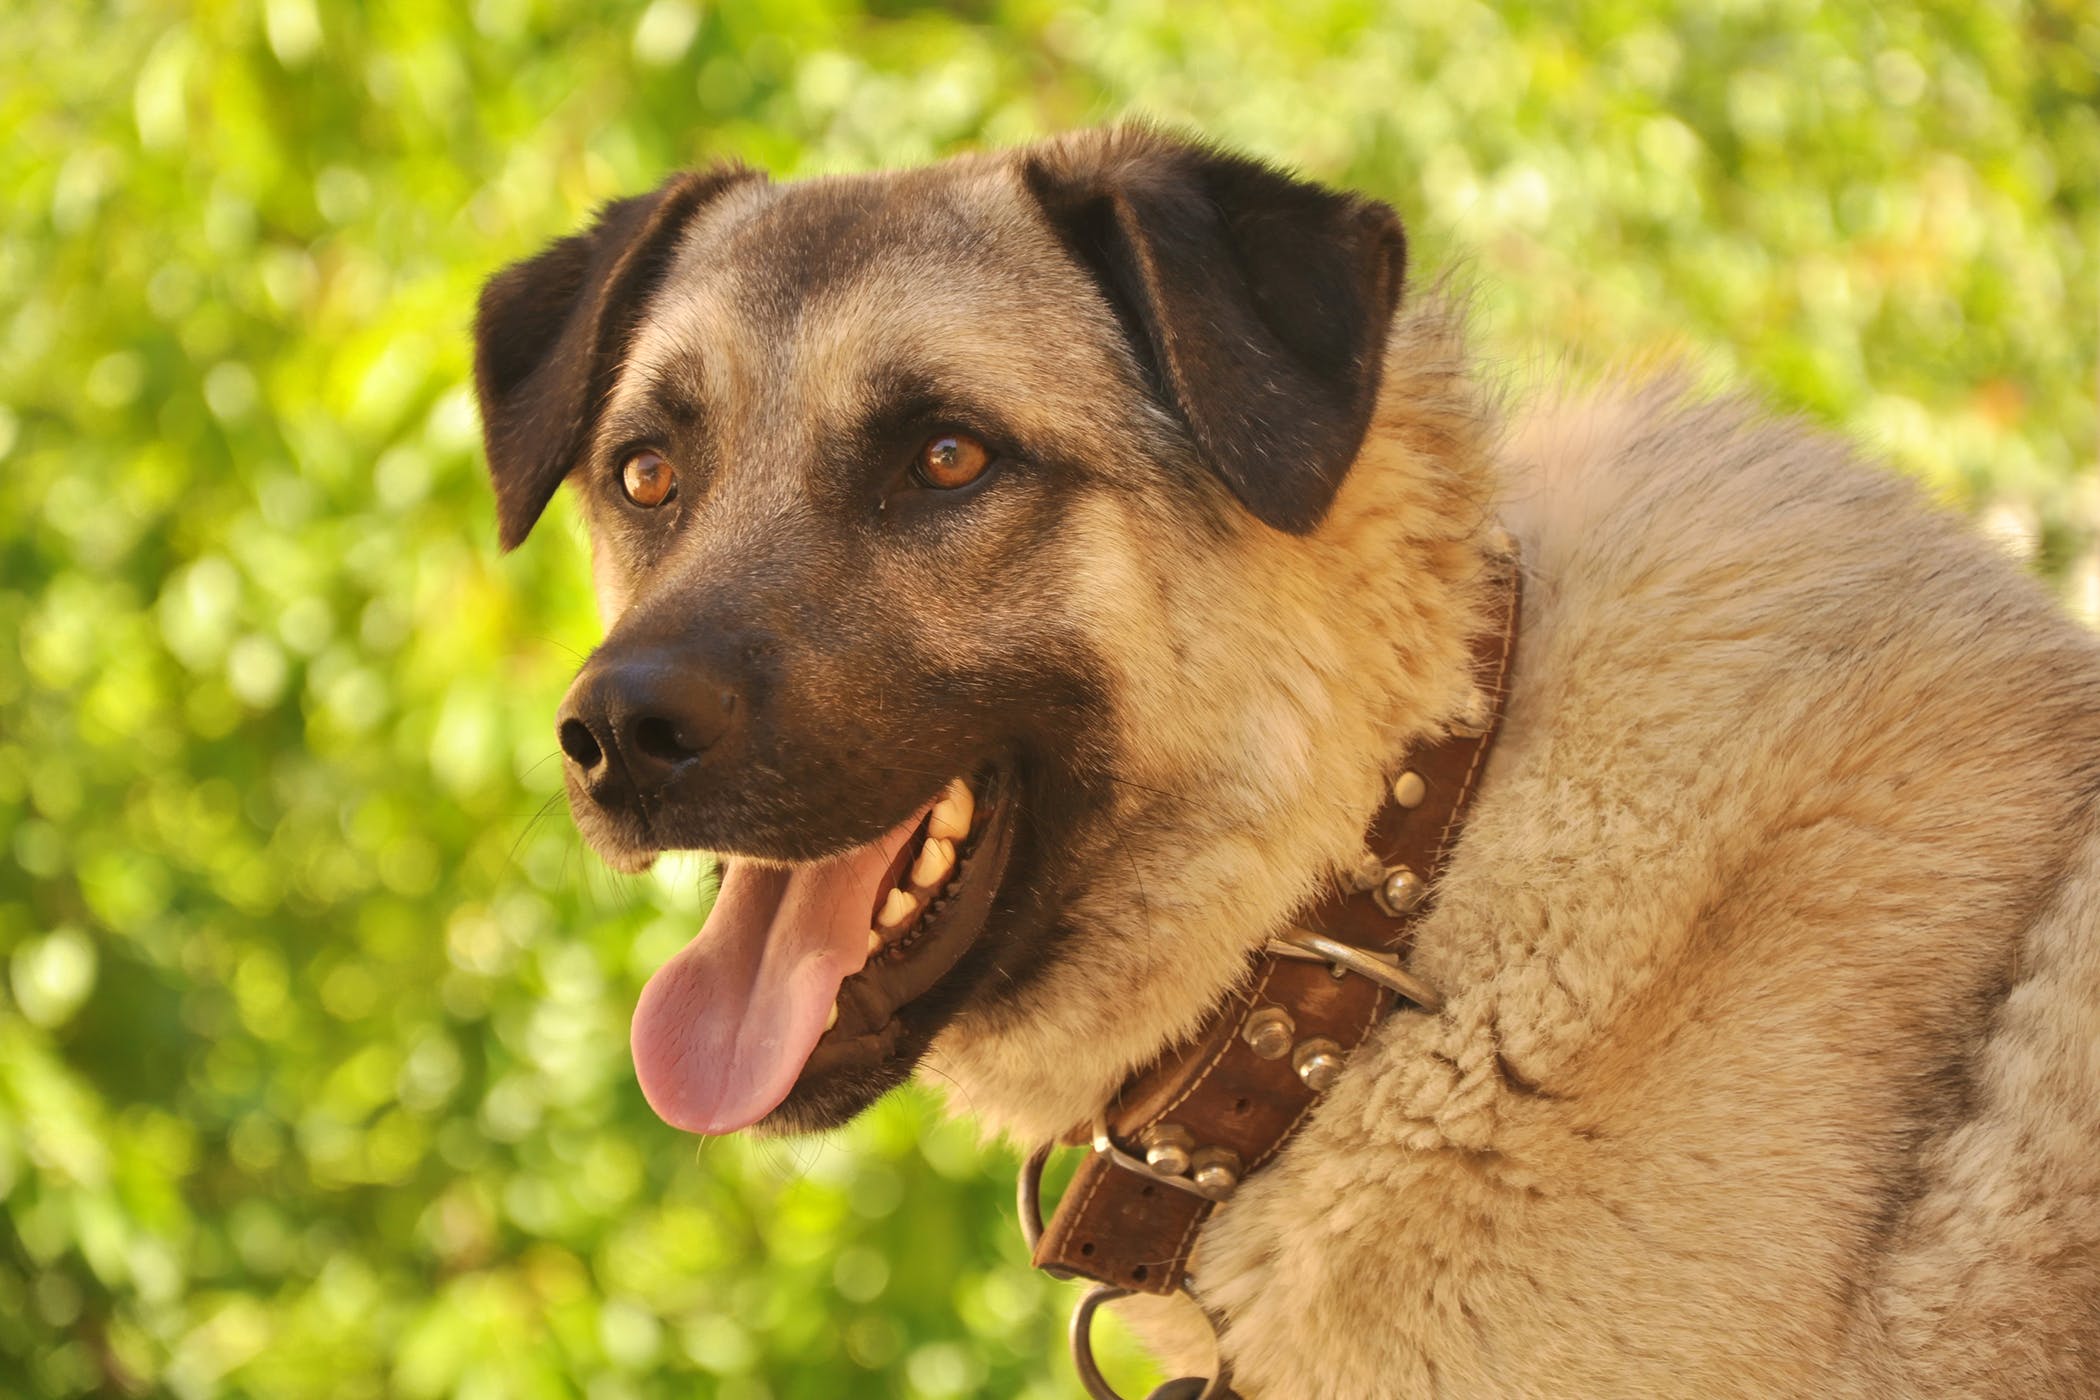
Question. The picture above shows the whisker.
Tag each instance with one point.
(531, 822)
(551, 753)
(969, 1105)
(780, 1158)
(561, 646)
(1160, 793)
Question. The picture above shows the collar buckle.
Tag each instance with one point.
(1384, 969)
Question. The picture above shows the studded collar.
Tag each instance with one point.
(1182, 1134)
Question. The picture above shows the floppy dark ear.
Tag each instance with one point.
(1258, 303)
(551, 331)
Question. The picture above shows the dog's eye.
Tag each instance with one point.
(647, 479)
(951, 460)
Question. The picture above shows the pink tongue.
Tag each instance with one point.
(724, 1027)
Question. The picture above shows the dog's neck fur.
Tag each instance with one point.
(1287, 711)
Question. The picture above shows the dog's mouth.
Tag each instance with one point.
(813, 970)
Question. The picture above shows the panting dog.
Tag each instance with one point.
(1050, 579)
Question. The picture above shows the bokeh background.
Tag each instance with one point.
(313, 1068)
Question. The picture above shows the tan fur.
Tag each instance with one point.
(1772, 1058)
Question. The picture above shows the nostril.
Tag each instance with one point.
(580, 745)
(657, 738)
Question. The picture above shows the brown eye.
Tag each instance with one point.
(951, 460)
(647, 478)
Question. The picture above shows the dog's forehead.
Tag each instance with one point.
(785, 247)
(812, 291)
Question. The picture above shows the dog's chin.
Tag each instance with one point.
(825, 1099)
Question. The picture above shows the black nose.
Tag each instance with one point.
(632, 721)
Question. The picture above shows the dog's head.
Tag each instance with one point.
(910, 498)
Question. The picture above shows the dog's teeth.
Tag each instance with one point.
(833, 1018)
(935, 860)
(951, 815)
(897, 911)
(874, 943)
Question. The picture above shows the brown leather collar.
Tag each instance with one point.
(1182, 1134)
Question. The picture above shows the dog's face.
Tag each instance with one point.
(867, 464)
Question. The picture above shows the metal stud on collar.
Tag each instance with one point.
(1400, 891)
(1318, 1063)
(1269, 1032)
(1217, 1171)
(1106, 1146)
(1167, 1148)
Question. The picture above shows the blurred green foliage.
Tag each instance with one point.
(313, 1072)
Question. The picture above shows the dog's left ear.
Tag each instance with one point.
(551, 331)
(1258, 303)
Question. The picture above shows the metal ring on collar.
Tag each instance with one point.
(1028, 1195)
(1309, 946)
(1218, 1387)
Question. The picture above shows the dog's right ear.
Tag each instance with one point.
(551, 330)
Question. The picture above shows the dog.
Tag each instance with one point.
(1026, 573)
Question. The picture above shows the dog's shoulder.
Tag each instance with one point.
(1795, 769)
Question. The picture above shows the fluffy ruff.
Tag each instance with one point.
(1771, 1061)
